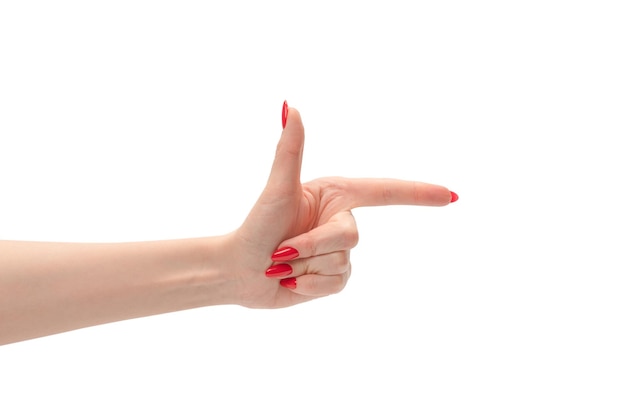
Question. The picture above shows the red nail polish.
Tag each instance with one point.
(453, 196)
(285, 254)
(285, 113)
(277, 271)
(289, 283)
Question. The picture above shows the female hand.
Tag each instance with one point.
(295, 243)
(294, 246)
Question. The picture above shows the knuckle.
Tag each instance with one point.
(350, 232)
(341, 261)
(337, 284)
(308, 244)
(321, 285)
(387, 194)
(350, 236)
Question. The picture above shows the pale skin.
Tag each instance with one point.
(48, 288)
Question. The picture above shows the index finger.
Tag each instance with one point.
(364, 192)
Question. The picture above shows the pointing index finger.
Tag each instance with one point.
(364, 192)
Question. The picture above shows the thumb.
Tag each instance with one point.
(285, 174)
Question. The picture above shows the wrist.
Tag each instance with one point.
(208, 275)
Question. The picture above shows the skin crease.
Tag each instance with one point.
(48, 288)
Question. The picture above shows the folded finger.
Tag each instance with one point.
(328, 264)
(316, 285)
(338, 234)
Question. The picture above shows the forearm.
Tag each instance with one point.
(47, 288)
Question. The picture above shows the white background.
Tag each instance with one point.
(139, 120)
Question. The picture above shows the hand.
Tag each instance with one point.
(293, 247)
(295, 244)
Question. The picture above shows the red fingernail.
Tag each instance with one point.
(285, 113)
(289, 283)
(453, 196)
(280, 270)
(285, 254)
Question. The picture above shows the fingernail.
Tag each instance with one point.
(285, 113)
(453, 196)
(285, 254)
(280, 270)
(289, 283)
